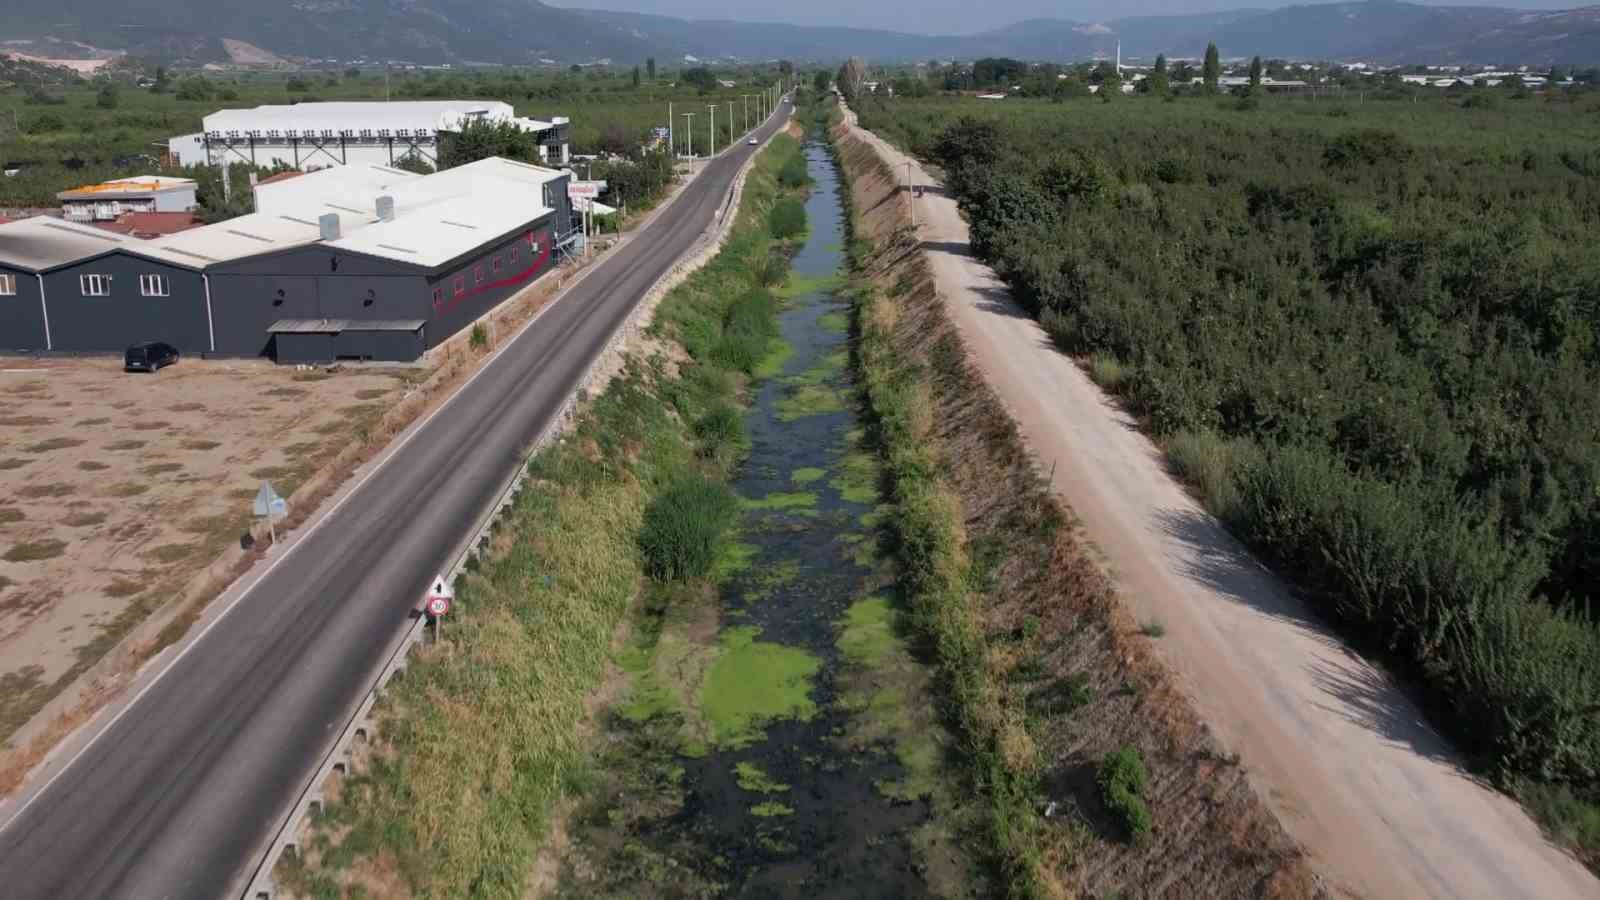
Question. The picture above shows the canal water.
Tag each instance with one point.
(780, 739)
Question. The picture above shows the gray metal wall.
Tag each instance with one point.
(308, 283)
(21, 317)
(123, 317)
(454, 314)
(303, 348)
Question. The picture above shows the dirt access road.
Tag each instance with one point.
(1379, 800)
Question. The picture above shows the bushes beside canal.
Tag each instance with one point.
(483, 736)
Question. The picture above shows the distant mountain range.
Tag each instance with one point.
(527, 31)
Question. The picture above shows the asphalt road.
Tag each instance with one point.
(175, 797)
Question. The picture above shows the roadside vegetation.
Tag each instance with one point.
(1367, 335)
(1093, 776)
(486, 735)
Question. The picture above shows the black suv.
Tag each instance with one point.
(149, 356)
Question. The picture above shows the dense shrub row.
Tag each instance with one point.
(1121, 780)
(1375, 355)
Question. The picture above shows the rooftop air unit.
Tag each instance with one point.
(386, 208)
(329, 223)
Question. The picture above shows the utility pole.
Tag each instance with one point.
(912, 190)
(745, 97)
(672, 146)
(688, 130)
(730, 121)
(713, 130)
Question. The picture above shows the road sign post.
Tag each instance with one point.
(440, 597)
(268, 505)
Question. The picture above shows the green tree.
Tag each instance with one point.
(821, 80)
(413, 162)
(163, 81)
(352, 73)
(699, 77)
(1211, 69)
(107, 96)
(1255, 72)
(480, 140)
(297, 85)
(635, 76)
(650, 68)
(195, 88)
(1156, 82)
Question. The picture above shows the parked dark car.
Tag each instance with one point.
(149, 356)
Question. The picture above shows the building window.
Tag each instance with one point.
(477, 274)
(513, 252)
(8, 285)
(155, 286)
(438, 297)
(461, 285)
(498, 265)
(535, 248)
(95, 285)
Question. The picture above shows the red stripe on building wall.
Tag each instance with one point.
(447, 283)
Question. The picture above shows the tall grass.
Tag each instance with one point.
(685, 528)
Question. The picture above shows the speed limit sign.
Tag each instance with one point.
(438, 606)
(437, 603)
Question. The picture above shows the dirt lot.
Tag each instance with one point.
(116, 489)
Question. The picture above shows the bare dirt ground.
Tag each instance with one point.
(1341, 755)
(116, 489)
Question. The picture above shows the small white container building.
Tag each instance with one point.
(106, 201)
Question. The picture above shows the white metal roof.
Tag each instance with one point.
(352, 187)
(441, 216)
(355, 117)
(43, 242)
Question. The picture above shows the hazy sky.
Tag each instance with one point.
(956, 16)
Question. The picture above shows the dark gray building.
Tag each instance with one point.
(356, 261)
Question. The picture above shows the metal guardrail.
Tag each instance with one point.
(260, 884)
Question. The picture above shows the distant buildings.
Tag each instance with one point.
(317, 135)
(107, 201)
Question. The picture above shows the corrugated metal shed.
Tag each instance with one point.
(355, 116)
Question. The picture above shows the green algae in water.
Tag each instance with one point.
(734, 558)
(807, 475)
(799, 285)
(825, 369)
(754, 779)
(784, 500)
(857, 481)
(868, 635)
(771, 809)
(836, 321)
(770, 578)
(753, 682)
(771, 365)
(809, 400)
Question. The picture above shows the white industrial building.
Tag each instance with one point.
(318, 135)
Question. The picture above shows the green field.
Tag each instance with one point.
(53, 123)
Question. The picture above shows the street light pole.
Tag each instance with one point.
(746, 98)
(688, 130)
(672, 146)
(712, 129)
(730, 120)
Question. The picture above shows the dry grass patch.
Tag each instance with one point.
(126, 444)
(370, 394)
(199, 444)
(55, 443)
(32, 551)
(15, 462)
(127, 489)
(167, 554)
(287, 392)
(42, 491)
(92, 465)
(10, 514)
(80, 519)
(143, 425)
(161, 468)
(23, 421)
(90, 423)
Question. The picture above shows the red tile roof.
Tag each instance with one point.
(281, 176)
(151, 224)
